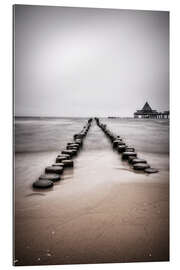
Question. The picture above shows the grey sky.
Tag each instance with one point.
(87, 62)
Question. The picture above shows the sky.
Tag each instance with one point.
(89, 62)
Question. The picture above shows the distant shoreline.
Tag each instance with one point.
(82, 117)
(39, 117)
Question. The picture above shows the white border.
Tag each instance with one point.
(6, 125)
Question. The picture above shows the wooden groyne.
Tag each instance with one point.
(64, 160)
(127, 152)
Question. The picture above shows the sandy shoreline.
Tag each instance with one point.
(116, 222)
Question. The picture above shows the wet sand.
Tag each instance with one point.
(102, 211)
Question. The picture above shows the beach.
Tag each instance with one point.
(102, 211)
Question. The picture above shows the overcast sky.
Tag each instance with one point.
(87, 62)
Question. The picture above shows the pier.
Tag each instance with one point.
(147, 112)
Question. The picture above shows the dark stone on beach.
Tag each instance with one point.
(54, 169)
(69, 152)
(121, 148)
(74, 152)
(43, 183)
(125, 155)
(112, 138)
(78, 141)
(90, 120)
(118, 138)
(66, 152)
(121, 143)
(64, 155)
(59, 159)
(68, 163)
(50, 176)
(151, 170)
(116, 143)
(72, 148)
(140, 166)
(79, 136)
(72, 145)
(58, 164)
(138, 160)
(131, 158)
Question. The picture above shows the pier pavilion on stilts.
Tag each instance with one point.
(147, 112)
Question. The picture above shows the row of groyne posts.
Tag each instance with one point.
(65, 158)
(128, 152)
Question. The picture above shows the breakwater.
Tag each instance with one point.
(128, 152)
(63, 160)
